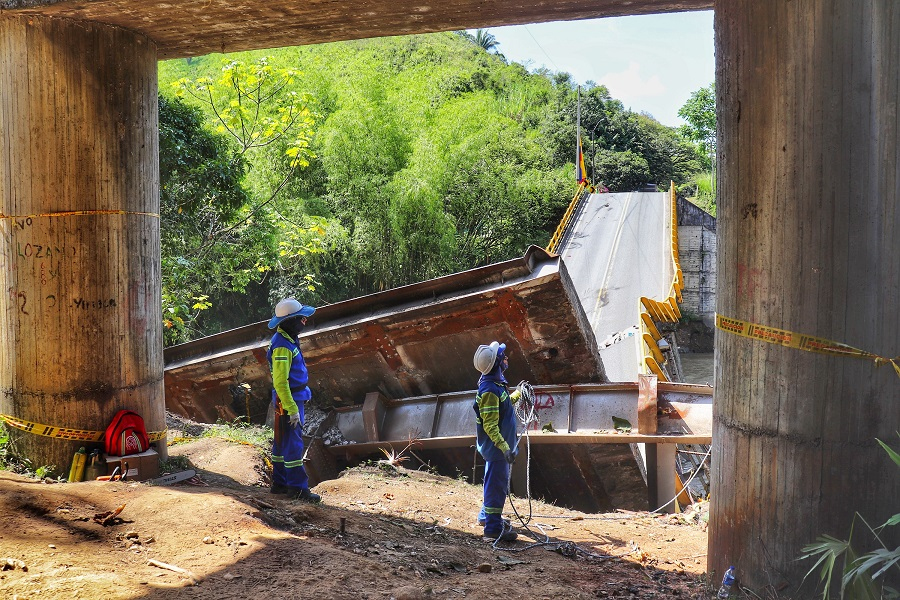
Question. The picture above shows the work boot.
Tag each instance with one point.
(277, 488)
(305, 495)
(506, 524)
(507, 535)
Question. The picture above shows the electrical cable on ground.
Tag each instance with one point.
(527, 414)
(687, 483)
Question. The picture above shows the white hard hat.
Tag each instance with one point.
(485, 356)
(287, 308)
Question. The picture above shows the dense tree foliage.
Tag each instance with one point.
(699, 112)
(420, 156)
(200, 192)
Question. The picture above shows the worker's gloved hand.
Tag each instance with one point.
(294, 419)
(523, 390)
(510, 456)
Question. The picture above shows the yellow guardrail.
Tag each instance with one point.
(553, 246)
(664, 311)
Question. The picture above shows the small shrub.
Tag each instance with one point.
(45, 471)
(4, 445)
(10, 462)
(393, 458)
(175, 464)
(241, 432)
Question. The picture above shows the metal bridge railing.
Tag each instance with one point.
(664, 311)
(556, 240)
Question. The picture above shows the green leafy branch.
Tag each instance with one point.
(180, 315)
(243, 100)
(860, 574)
(257, 105)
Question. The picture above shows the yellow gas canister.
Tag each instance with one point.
(76, 472)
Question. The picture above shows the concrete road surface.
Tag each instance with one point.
(617, 250)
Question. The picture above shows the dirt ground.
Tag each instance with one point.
(379, 533)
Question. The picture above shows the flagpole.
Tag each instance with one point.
(578, 138)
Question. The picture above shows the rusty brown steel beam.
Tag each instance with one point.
(197, 27)
(409, 341)
(647, 405)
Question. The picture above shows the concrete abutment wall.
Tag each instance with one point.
(697, 256)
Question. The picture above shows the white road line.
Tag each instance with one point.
(612, 256)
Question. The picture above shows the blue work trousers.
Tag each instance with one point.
(287, 453)
(496, 484)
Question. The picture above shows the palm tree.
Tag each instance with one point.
(485, 40)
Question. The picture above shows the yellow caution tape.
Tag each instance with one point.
(800, 341)
(78, 213)
(156, 436)
(66, 433)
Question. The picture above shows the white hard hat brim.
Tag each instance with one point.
(300, 310)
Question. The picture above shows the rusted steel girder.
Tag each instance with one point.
(410, 341)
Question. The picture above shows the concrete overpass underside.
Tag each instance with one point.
(197, 27)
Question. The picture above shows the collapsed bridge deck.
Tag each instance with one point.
(410, 341)
(395, 366)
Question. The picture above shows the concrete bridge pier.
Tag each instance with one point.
(809, 156)
(80, 327)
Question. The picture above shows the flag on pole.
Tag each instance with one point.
(580, 170)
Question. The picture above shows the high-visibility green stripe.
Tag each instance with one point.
(489, 408)
(281, 371)
(290, 464)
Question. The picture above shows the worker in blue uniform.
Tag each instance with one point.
(290, 394)
(496, 438)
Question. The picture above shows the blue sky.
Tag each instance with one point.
(651, 63)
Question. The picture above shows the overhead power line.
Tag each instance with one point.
(541, 47)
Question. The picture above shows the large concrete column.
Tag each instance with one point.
(809, 155)
(80, 329)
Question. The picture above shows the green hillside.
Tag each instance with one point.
(337, 170)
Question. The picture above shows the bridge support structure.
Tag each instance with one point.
(80, 331)
(809, 241)
(588, 465)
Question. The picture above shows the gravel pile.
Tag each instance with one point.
(314, 418)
